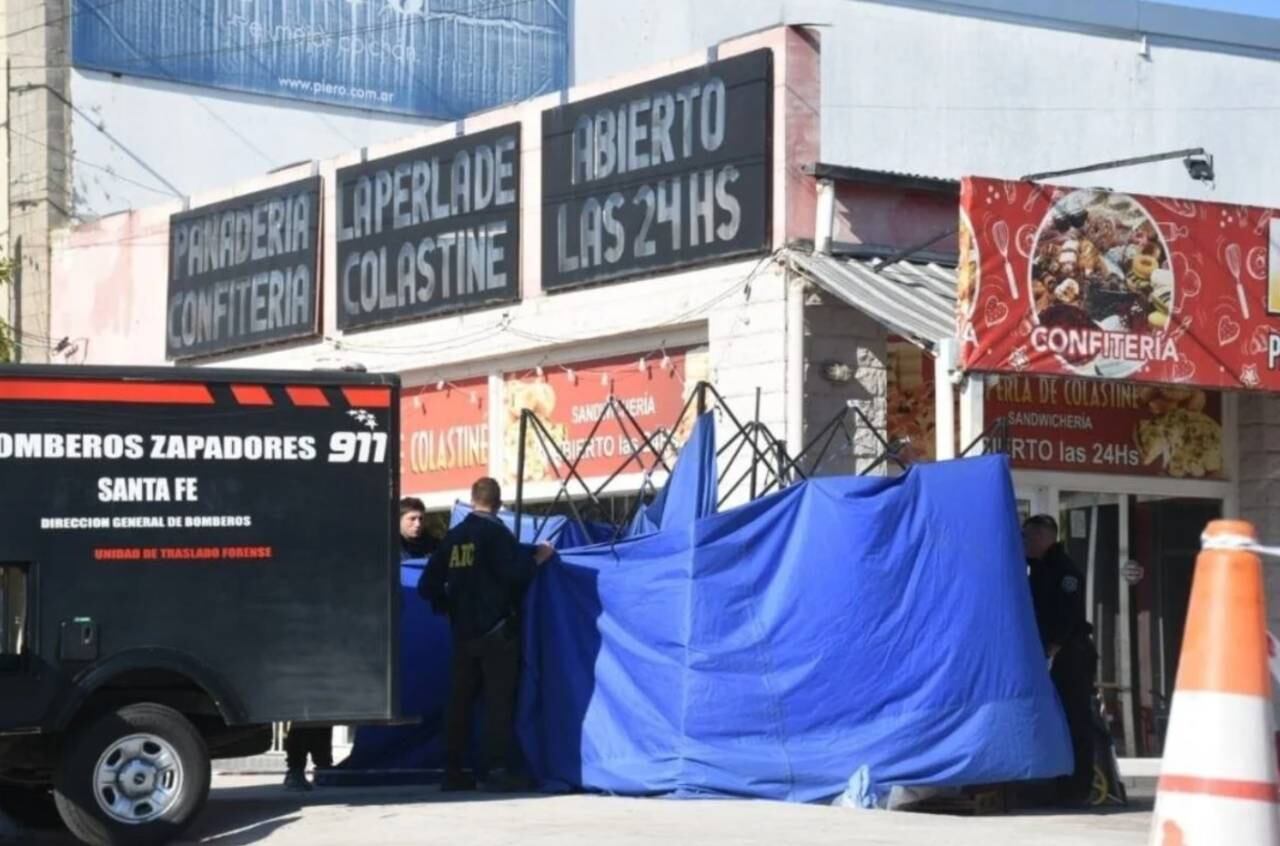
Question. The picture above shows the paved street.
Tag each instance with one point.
(252, 810)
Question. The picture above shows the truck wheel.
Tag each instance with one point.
(138, 775)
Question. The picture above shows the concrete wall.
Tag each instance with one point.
(1004, 87)
(888, 216)
(1260, 482)
(38, 164)
(140, 141)
(834, 332)
(110, 287)
(8, 306)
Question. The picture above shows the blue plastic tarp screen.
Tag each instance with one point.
(772, 650)
(775, 649)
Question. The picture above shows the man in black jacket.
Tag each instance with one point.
(1057, 593)
(477, 576)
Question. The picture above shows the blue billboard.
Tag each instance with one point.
(434, 58)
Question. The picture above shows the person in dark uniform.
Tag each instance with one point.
(1057, 593)
(301, 741)
(416, 543)
(478, 576)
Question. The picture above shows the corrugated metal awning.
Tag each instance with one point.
(916, 301)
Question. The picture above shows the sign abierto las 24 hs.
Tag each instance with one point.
(243, 272)
(658, 175)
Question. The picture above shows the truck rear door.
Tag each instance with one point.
(239, 523)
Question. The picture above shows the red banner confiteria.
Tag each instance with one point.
(1085, 282)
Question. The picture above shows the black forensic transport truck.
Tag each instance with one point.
(187, 556)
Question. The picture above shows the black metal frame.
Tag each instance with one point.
(995, 438)
(769, 466)
(625, 419)
(840, 423)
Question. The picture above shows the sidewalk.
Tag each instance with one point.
(412, 816)
(255, 810)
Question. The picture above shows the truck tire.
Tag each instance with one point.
(138, 775)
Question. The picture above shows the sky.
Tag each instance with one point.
(1269, 8)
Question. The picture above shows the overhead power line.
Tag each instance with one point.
(57, 20)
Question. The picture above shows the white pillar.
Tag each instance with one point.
(971, 410)
(498, 419)
(795, 287)
(944, 413)
(824, 221)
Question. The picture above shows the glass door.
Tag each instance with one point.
(1137, 554)
(1093, 527)
(1165, 541)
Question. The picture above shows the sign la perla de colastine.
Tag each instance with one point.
(659, 175)
(430, 230)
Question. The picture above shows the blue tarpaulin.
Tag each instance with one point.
(775, 649)
(690, 493)
(425, 649)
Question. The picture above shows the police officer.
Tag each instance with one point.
(477, 576)
(1057, 593)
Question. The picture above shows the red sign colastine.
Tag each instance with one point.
(1084, 282)
(444, 436)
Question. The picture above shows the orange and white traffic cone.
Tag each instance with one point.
(1218, 778)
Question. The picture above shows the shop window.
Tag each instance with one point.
(14, 617)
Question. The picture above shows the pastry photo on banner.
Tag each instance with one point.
(1101, 284)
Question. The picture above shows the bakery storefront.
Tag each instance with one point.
(1112, 337)
(561, 258)
(1133, 472)
(1104, 340)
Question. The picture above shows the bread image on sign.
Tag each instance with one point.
(968, 272)
(540, 398)
(1100, 268)
(697, 368)
(1180, 435)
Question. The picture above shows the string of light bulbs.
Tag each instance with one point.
(540, 370)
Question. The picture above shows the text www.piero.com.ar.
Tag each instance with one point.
(326, 89)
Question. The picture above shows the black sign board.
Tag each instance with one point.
(243, 272)
(432, 230)
(658, 175)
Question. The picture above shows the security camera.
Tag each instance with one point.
(1199, 167)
